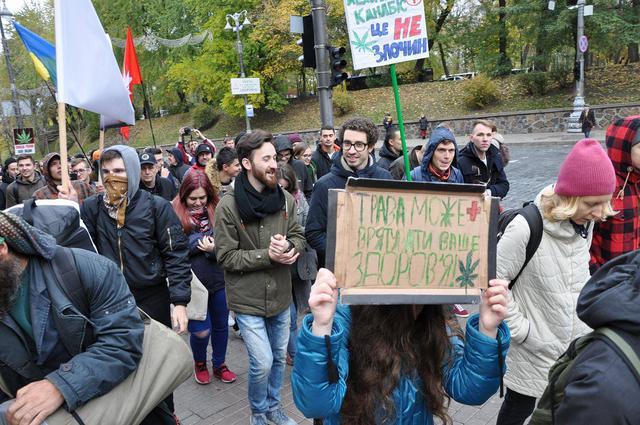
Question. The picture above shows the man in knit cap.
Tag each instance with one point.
(621, 233)
(39, 372)
(542, 315)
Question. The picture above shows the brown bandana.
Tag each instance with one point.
(115, 197)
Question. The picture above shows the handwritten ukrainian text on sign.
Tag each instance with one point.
(412, 240)
(382, 32)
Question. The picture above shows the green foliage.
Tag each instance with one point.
(480, 92)
(378, 80)
(343, 103)
(205, 116)
(561, 72)
(535, 83)
(408, 76)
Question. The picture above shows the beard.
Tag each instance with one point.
(267, 177)
(10, 270)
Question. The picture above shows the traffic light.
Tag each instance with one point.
(338, 65)
(307, 42)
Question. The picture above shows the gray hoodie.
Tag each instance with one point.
(131, 164)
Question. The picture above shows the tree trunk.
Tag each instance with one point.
(504, 64)
(444, 13)
(524, 56)
(634, 55)
(443, 59)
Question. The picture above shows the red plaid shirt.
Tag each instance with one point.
(620, 234)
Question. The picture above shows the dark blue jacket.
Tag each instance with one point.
(476, 172)
(422, 173)
(316, 229)
(470, 376)
(204, 264)
(84, 357)
(386, 156)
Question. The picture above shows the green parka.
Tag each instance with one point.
(254, 284)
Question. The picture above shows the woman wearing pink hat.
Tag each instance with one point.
(542, 305)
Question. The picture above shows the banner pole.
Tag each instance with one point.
(147, 113)
(396, 95)
(64, 157)
(101, 148)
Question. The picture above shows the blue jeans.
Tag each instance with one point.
(215, 325)
(266, 341)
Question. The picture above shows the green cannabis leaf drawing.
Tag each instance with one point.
(23, 137)
(361, 44)
(467, 272)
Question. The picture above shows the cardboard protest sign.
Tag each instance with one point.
(386, 32)
(392, 242)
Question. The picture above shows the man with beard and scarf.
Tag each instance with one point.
(9, 173)
(52, 172)
(141, 233)
(39, 371)
(358, 137)
(258, 237)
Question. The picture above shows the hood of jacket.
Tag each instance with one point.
(386, 152)
(439, 135)
(177, 154)
(619, 137)
(612, 296)
(282, 143)
(340, 169)
(131, 164)
(46, 161)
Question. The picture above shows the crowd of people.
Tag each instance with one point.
(249, 219)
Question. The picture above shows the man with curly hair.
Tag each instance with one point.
(358, 137)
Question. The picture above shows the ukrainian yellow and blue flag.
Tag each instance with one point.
(41, 51)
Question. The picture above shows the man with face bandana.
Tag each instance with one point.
(38, 372)
(52, 172)
(258, 237)
(141, 233)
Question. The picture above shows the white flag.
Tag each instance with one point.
(88, 74)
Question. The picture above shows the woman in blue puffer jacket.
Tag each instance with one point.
(395, 364)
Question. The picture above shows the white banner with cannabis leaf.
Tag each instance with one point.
(383, 32)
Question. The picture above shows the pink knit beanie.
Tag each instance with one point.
(586, 171)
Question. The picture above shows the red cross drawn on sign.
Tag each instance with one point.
(473, 211)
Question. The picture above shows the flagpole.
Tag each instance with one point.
(147, 113)
(73, 132)
(101, 149)
(64, 161)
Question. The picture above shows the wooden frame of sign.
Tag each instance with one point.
(398, 242)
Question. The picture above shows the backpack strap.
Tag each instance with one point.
(531, 213)
(628, 353)
(64, 266)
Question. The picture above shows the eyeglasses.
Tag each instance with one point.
(359, 146)
(82, 170)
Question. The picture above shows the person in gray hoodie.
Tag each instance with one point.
(142, 234)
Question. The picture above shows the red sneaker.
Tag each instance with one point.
(201, 373)
(459, 311)
(224, 374)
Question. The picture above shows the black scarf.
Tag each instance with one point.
(254, 205)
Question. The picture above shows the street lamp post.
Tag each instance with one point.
(12, 79)
(579, 101)
(237, 27)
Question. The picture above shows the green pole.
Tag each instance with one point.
(396, 95)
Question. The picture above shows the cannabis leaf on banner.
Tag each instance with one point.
(23, 138)
(361, 44)
(467, 272)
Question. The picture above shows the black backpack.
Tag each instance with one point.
(531, 213)
(60, 220)
(553, 395)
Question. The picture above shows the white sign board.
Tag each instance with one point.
(245, 86)
(383, 33)
(296, 25)
(29, 148)
(588, 10)
(249, 110)
(583, 43)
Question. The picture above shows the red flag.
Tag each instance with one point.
(130, 72)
